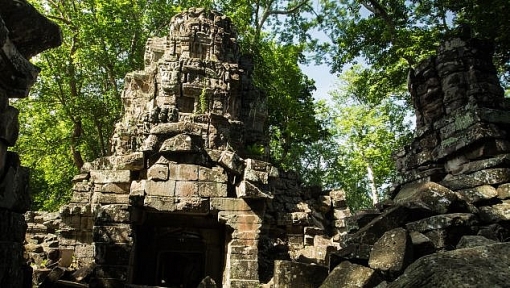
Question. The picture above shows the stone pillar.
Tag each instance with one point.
(461, 119)
(23, 34)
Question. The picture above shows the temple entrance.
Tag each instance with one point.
(178, 250)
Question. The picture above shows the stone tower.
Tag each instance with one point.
(182, 198)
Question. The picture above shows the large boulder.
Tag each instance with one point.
(482, 266)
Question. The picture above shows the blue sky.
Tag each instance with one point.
(324, 80)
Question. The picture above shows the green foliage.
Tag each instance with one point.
(203, 101)
(390, 36)
(368, 130)
(292, 121)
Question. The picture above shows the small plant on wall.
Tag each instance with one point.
(203, 105)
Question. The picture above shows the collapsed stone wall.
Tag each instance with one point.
(447, 224)
(23, 33)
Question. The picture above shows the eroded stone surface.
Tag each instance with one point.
(483, 266)
(351, 275)
(393, 252)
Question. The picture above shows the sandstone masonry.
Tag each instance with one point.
(183, 198)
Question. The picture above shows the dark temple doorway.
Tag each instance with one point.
(178, 250)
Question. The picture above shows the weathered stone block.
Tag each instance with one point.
(496, 213)
(249, 190)
(160, 188)
(504, 191)
(171, 129)
(235, 283)
(229, 204)
(338, 199)
(295, 274)
(389, 219)
(82, 186)
(483, 266)
(477, 194)
(158, 171)
(467, 137)
(215, 174)
(348, 274)
(182, 143)
(110, 176)
(473, 166)
(422, 245)
(232, 162)
(133, 161)
(192, 205)
(487, 149)
(137, 192)
(120, 233)
(186, 189)
(186, 172)
(429, 195)
(81, 177)
(392, 253)
(242, 220)
(443, 221)
(212, 189)
(340, 214)
(488, 176)
(112, 214)
(118, 188)
(81, 197)
(247, 234)
(102, 198)
(469, 241)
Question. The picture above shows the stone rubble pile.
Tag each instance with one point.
(23, 33)
(448, 221)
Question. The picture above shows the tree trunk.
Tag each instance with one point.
(371, 182)
(77, 132)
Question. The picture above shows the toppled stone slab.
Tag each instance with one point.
(429, 196)
(488, 176)
(478, 194)
(496, 213)
(470, 241)
(351, 275)
(483, 266)
(443, 221)
(392, 253)
(295, 274)
(390, 219)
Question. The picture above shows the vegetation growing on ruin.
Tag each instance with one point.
(71, 112)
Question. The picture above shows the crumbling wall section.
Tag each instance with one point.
(23, 33)
(450, 206)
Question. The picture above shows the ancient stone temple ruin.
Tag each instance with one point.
(185, 201)
(23, 34)
(183, 198)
